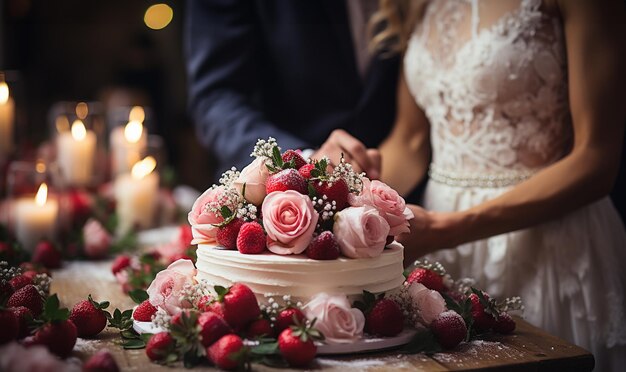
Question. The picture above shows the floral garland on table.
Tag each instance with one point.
(229, 328)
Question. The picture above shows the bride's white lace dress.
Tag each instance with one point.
(491, 76)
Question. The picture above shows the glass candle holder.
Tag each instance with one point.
(33, 202)
(137, 192)
(79, 128)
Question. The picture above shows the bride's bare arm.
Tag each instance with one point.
(596, 48)
(406, 152)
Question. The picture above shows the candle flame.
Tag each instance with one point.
(4, 92)
(42, 195)
(78, 130)
(143, 167)
(133, 131)
(40, 167)
(82, 110)
(137, 114)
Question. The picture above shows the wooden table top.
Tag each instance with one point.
(528, 349)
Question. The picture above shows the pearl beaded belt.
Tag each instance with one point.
(489, 180)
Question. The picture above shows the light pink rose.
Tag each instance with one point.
(97, 239)
(16, 357)
(165, 289)
(336, 319)
(361, 232)
(203, 216)
(289, 219)
(254, 176)
(428, 303)
(388, 202)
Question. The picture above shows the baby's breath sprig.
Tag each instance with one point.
(247, 211)
(265, 148)
(433, 266)
(7, 272)
(229, 177)
(353, 179)
(326, 208)
(275, 304)
(162, 319)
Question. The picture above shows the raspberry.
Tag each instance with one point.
(251, 238)
(323, 247)
(449, 329)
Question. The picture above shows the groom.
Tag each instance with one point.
(293, 70)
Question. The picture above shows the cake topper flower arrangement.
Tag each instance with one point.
(286, 205)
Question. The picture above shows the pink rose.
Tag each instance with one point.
(254, 176)
(336, 319)
(428, 303)
(166, 289)
(289, 219)
(97, 239)
(388, 202)
(361, 232)
(203, 215)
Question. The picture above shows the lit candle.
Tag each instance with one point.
(35, 219)
(128, 144)
(7, 116)
(75, 154)
(136, 196)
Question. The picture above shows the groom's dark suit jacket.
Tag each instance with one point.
(281, 68)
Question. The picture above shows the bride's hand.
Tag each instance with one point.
(430, 232)
(354, 151)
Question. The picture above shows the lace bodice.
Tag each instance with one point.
(491, 78)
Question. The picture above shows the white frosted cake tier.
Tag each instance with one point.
(299, 276)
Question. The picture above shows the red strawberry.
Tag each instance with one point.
(159, 346)
(89, 317)
(505, 324)
(288, 317)
(385, 318)
(428, 278)
(120, 263)
(59, 337)
(10, 326)
(47, 255)
(323, 247)
(297, 158)
(212, 328)
(449, 329)
(482, 320)
(305, 171)
(251, 238)
(237, 305)
(144, 312)
(30, 274)
(29, 297)
(296, 345)
(23, 315)
(223, 352)
(102, 361)
(287, 179)
(337, 191)
(259, 328)
(20, 281)
(227, 235)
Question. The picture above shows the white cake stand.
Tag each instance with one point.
(363, 345)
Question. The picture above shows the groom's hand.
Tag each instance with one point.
(354, 152)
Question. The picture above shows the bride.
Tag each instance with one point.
(518, 106)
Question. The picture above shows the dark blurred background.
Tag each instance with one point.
(84, 50)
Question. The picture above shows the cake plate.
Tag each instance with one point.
(360, 346)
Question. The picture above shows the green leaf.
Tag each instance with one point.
(221, 291)
(127, 314)
(422, 342)
(269, 348)
(138, 295)
(226, 212)
(451, 304)
(133, 344)
(129, 334)
(277, 159)
(312, 191)
(243, 190)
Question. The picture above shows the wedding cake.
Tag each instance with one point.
(287, 227)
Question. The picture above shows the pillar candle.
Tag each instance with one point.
(35, 218)
(75, 154)
(136, 196)
(128, 145)
(7, 120)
